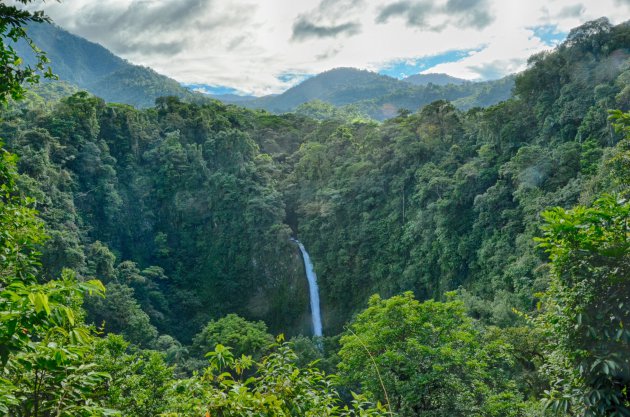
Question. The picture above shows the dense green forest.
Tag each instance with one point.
(470, 263)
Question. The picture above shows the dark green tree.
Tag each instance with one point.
(242, 336)
(13, 73)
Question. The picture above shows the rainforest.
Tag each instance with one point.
(470, 261)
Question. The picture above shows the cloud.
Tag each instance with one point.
(415, 13)
(152, 48)
(252, 45)
(304, 29)
(330, 53)
(494, 69)
(571, 11)
(420, 14)
(471, 13)
(147, 26)
(336, 9)
(328, 20)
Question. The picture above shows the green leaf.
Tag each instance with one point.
(40, 302)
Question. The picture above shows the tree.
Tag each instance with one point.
(427, 359)
(242, 336)
(139, 378)
(121, 313)
(12, 71)
(43, 340)
(587, 308)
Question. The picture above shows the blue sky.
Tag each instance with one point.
(549, 34)
(211, 89)
(263, 47)
(405, 67)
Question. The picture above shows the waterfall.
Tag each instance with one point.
(312, 289)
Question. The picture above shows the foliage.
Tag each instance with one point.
(428, 359)
(185, 212)
(12, 71)
(428, 201)
(119, 312)
(139, 379)
(43, 341)
(278, 388)
(320, 110)
(242, 336)
(587, 307)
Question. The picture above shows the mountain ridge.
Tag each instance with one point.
(434, 78)
(380, 96)
(92, 67)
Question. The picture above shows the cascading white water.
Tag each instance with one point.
(313, 290)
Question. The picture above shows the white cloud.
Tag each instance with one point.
(248, 44)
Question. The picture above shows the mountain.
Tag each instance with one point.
(435, 78)
(380, 96)
(92, 67)
(339, 86)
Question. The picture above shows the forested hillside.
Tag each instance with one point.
(91, 67)
(471, 263)
(437, 79)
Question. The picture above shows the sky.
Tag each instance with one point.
(260, 47)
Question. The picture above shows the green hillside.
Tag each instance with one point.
(91, 67)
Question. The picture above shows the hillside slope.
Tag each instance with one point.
(92, 67)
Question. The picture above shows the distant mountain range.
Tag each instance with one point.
(92, 67)
(379, 96)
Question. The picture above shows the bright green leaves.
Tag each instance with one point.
(138, 379)
(601, 229)
(619, 163)
(587, 308)
(43, 340)
(220, 357)
(428, 358)
(92, 287)
(277, 388)
(40, 302)
(244, 337)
